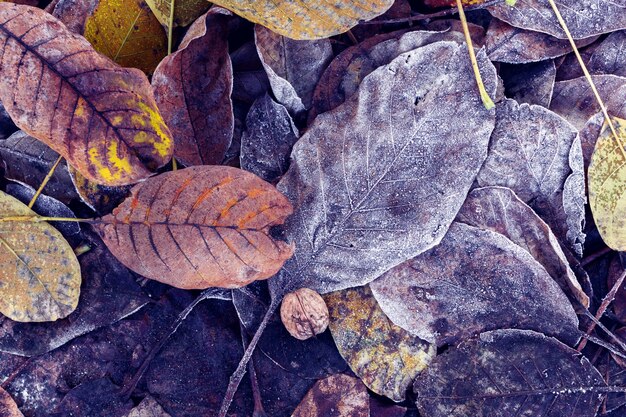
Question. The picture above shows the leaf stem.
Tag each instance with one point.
(44, 182)
(487, 102)
(170, 28)
(607, 118)
(37, 219)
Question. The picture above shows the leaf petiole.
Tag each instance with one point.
(37, 219)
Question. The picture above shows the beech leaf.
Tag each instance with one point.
(102, 118)
(379, 179)
(508, 372)
(200, 227)
(39, 273)
(607, 185)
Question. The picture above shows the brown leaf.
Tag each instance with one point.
(475, 280)
(208, 227)
(508, 372)
(292, 66)
(529, 83)
(500, 210)
(8, 408)
(379, 179)
(74, 13)
(192, 88)
(100, 117)
(335, 396)
(584, 18)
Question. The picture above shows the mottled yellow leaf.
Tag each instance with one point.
(39, 273)
(607, 185)
(386, 357)
(307, 19)
(185, 11)
(127, 32)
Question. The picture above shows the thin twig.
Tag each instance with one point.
(443, 13)
(605, 345)
(44, 182)
(589, 259)
(259, 411)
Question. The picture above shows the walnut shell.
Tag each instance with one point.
(304, 313)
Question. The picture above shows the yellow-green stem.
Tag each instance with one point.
(37, 219)
(487, 102)
(170, 28)
(44, 182)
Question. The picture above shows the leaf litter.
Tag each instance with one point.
(424, 219)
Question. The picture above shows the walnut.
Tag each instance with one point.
(304, 313)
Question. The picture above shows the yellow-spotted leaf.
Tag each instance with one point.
(386, 357)
(607, 185)
(39, 273)
(185, 11)
(127, 32)
(101, 117)
(307, 19)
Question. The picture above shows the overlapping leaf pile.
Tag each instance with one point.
(453, 245)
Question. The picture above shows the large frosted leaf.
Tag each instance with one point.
(379, 179)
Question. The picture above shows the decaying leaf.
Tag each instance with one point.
(529, 83)
(192, 88)
(584, 18)
(500, 210)
(610, 56)
(8, 408)
(307, 19)
(508, 372)
(607, 185)
(529, 153)
(185, 11)
(293, 67)
(379, 179)
(100, 117)
(474, 280)
(200, 227)
(148, 407)
(95, 398)
(384, 356)
(74, 13)
(267, 141)
(336, 396)
(128, 33)
(100, 198)
(39, 273)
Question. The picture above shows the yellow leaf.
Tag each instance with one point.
(128, 33)
(185, 11)
(39, 273)
(607, 185)
(307, 19)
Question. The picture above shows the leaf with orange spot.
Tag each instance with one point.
(102, 118)
(200, 227)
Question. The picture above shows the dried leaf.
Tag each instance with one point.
(208, 227)
(8, 408)
(192, 88)
(307, 19)
(335, 396)
(367, 201)
(74, 13)
(28, 161)
(267, 141)
(96, 398)
(384, 356)
(529, 83)
(584, 18)
(39, 276)
(475, 280)
(7, 127)
(607, 185)
(504, 372)
(100, 198)
(529, 153)
(610, 56)
(293, 67)
(500, 210)
(148, 407)
(185, 11)
(100, 117)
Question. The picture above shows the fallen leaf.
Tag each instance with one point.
(307, 19)
(367, 201)
(95, 398)
(100, 117)
(100, 198)
(185, 11)
(209, 226)
(504, 372)
(267, 141)
(584, 18)
(8, 408)
(40, 275)
(335, 396)
(7, 127)
(384, 356)
(293, 67)
(530, 154)
(148, 407)
(127, 32)
(475, 280)
(607, 185)
(500, 210)
(74, 13)
(610, 56)
(192, 88)
(529, 83)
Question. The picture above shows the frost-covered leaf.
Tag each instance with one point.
(379, 179)
(148, 407)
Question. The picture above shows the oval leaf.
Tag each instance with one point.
(607, 185)
(307, 19)
(336, 396)
(39, 273)
(200, 227)
(102, 118)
